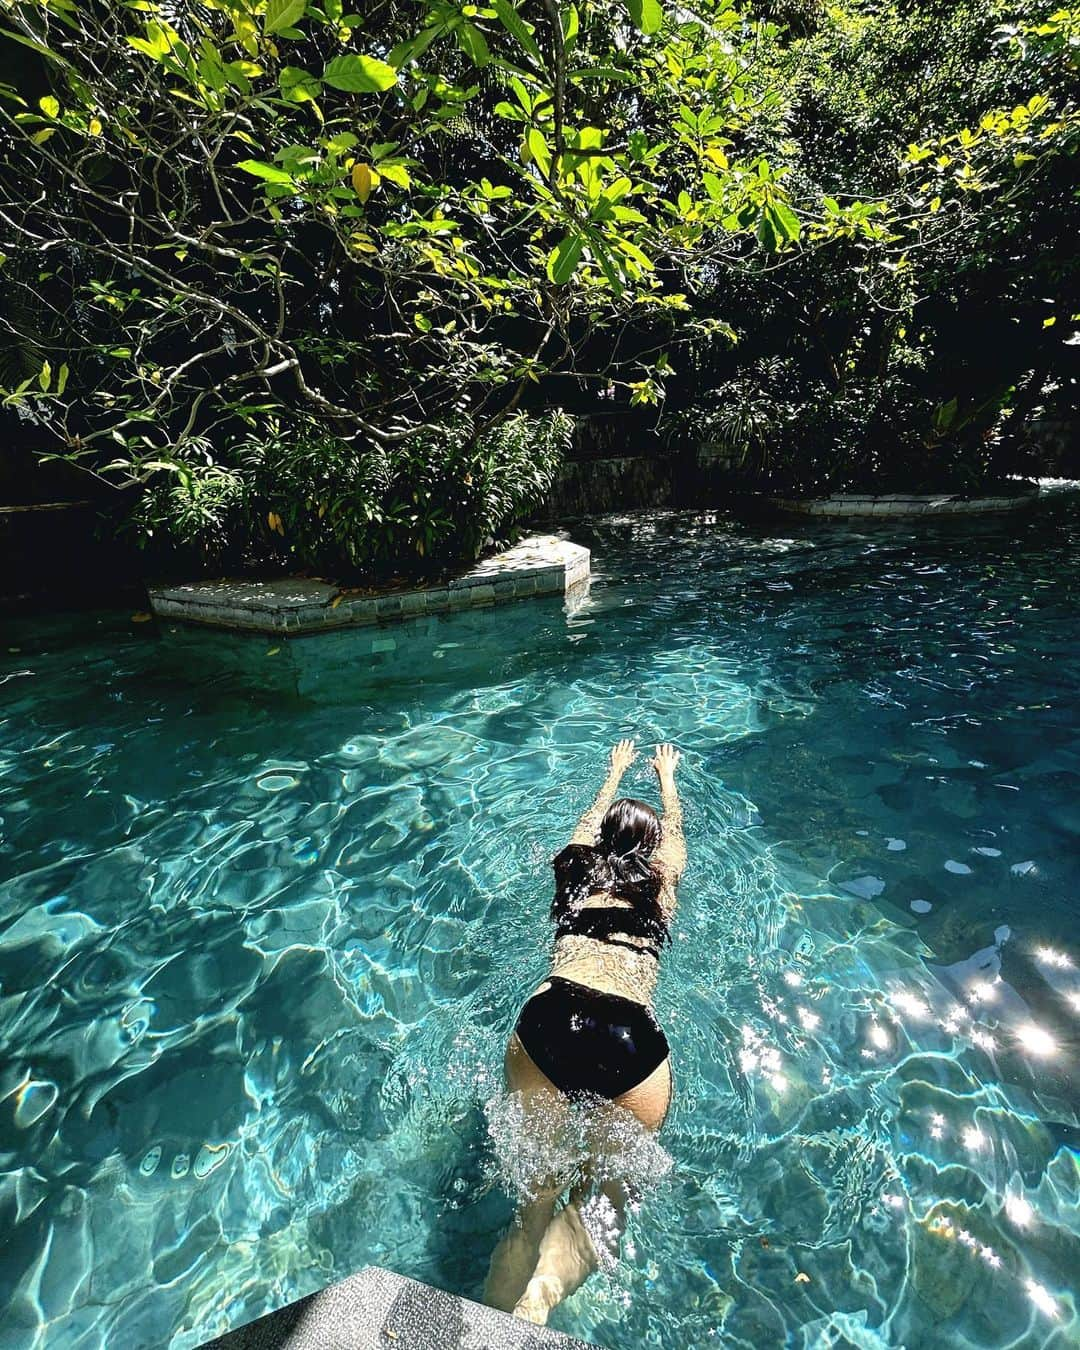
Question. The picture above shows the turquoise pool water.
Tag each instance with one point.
(269, 910)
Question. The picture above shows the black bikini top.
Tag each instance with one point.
(611, 924)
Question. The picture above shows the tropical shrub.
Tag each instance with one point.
(294, 495)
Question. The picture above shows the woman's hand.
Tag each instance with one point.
(622, 756)
(664, 762)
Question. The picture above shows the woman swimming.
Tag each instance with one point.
(589, 1030)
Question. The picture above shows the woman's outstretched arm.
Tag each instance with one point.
(670, 857)
(588, 827)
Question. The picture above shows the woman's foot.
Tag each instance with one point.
(542, 1293)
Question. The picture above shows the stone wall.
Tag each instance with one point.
(590, 486)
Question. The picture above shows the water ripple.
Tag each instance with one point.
(266, 925)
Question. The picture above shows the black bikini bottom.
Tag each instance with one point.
(588, 1041)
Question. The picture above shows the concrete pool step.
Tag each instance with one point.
(378, 1310)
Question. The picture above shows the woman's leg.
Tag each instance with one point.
(568, 1254)
(515, 1257)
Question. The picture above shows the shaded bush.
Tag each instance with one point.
(296, 495)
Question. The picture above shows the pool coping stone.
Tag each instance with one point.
(543, 564)
(900, 504)
(377, 1309)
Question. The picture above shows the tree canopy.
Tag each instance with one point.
(316, 280)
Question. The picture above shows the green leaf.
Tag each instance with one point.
(415, 47)
(344, 140)
(395, 173)
(563, 259)
(615, 192)
(601, 73)
(785, 221)
(570, 24)
(360, 74)
(282, 14)
(49, 106)
(945, 415)
(62, 378)
(299, 86)
(157, 43)
(512, 21)
(473, 43)
(45, 377)
(539, 150)
(522, 94)
(270, 172)
(646, 14)
(766, 232)
(632, 251)
(38, 47)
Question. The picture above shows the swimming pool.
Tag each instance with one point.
(269, 910)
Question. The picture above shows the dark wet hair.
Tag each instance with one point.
(617, 863)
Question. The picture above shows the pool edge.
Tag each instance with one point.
(537, 566)
(377, 1309)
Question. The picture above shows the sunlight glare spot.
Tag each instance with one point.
(810, 1020)
(1048, 957)
(972, 1138)
(1041, 1298)
(1035, 1039)
(1019, 1210)
(908, 1003)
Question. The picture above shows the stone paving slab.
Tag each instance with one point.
(539, 565)
(378, 1310)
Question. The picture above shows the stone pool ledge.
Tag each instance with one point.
(378, 1310)
(543, 564)
(896, 504)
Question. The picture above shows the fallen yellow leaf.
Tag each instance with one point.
(273, 651)
(802, 1278)
(141, 617)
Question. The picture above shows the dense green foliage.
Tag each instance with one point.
(916, 357)
(283, 274)
(442, 495)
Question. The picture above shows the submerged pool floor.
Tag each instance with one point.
(269, 909)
